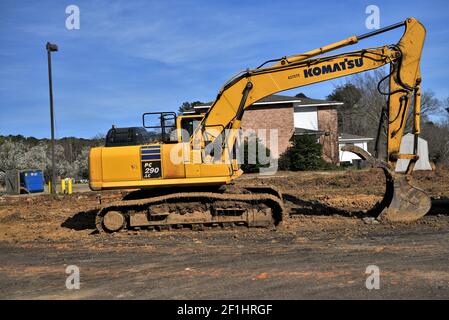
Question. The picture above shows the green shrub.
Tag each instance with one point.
(304, 154)
(254, 167)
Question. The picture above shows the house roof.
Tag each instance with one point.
(302, 131)
(346, 137)
(280, 99)
(189, 112)
(317, 102)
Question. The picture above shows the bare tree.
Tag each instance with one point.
(437, 132)
(365, 98)
(363, 106)
(99, 139)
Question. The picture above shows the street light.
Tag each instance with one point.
(51, 48)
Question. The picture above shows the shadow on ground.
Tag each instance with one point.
(439, 206)
(317, 208)
(84, 220)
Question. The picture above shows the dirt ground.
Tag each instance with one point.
(321, 251)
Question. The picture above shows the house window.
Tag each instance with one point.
(306, 118)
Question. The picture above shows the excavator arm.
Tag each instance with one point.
(250, 86)
(402, 200)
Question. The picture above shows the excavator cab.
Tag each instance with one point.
(167, 127)
(187, 124)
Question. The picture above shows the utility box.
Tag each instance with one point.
(24, 181)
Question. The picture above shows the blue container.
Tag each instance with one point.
(32, 180)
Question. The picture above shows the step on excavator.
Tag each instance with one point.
(195, 188)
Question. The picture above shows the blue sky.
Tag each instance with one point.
(131, 57)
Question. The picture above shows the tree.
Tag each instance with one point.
(446, 107)
(350, 95)
(186, 106)
(437, 132)
(81, 164)
(304, 154)
(71, 155)
(437, 136)
(301, 95)
(99, 139)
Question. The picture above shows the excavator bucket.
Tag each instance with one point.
(402, 202)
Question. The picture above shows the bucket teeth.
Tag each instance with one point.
(402, 202)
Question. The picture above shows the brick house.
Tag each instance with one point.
(293, 116)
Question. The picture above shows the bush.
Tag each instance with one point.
(260, 149)
(304, 154)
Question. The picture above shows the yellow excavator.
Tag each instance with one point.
(177, 183)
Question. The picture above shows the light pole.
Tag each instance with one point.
(52, 48)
